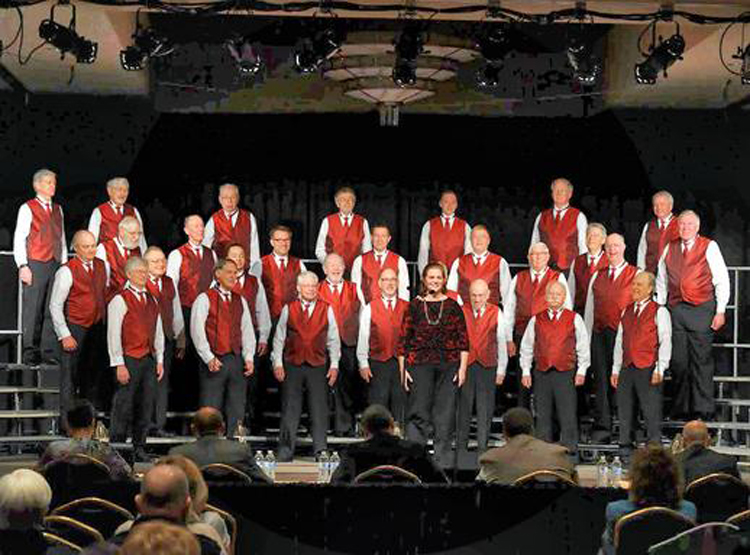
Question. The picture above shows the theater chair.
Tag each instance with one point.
(741, 520)
(73, 471)
(231, 523)
(387, 474)
(71, 530)
(701, 539)
(100, 514)
(56, 541)
(225, 473)
(717, 496)
(544, 477)
(639, 530)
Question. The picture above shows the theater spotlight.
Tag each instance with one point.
(147, 43)
(489, 76)
(66, 40)
(661, 58)
(494, 45)
(580, 51)
(314, 51)
(408, 46)
(744, 56)
(244, 55)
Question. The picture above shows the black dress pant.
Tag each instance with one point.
(386, 389)
(602, 354)
(635, 384)
(79, 372)
(524, 396)
(133, 402)
(38, 333)
(692, 363)
(225, 390)
(299, 378)
(478, 388)
(161, 399)
(346, 391)
(555, 394)
(432, 403)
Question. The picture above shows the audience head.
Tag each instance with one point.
(694, 432)
(229, 197)
(158, 537)
(381, 236)
(562, 191)
(615, 247)
(388, 282)
(196, 484)
(44, 183)
(129, 232)
(662, 203)
(307, 286)
(117, 190)
(345, 199)
(517, 421)
(538, 256)
(377, 420)
(164, 493)
(225, 273)
(643, 286)
(689, 224)
(81, 419)
(479, 292)
(333, 267)
(84, 244)
(596, 235)
(236, 253)
(434, 279)
(194, 228)
(156, 261)
(555, 295)
(281, 239)
(208, 421)
(480, 239)
(654, 478)
(448, 202)
(24, 499)
(136, 270)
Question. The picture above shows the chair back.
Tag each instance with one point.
(75, 471)
(717, 496)
(72, 530)
(741, 520)
(545, 477)
(225, 473)
(56, 541)
(100, 514)
(387, 473)
(231, 523)
(639, 530)
(701, 539)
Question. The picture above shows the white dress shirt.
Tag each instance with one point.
(572, 274)
(333, 343)
(510, 305)
(262, 312)
(95, 224)
(23, 228)
(403, 275)
(178, 322)
(583, 353)
(174, 263)
(643, 243)
(198, 316)
(663, 331)
(588, 311)
(424, 240)
(116, 312)
(503, 273)
(502, 348)
(719, 276)
(210, 231)
(60, 291)
(581, 224)
(320, 243)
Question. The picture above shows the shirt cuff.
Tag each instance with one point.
(117, 361)
(581, 372)
(525, 372)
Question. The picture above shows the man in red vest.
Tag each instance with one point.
(482, 264)
(306, 337)
(341, 296)
(586, 265)
(658, 232)
(162, 288)
(38, 250)
(379, 327)
(135, 342)
(608, 294)
(345, 233)
(279, 270)
(222, 331)
(694, 282)
(445, 237)
(526, 298)
(562, 228)
(105, 217)
(367, 267)
(77, 306)
(116, 252)
(557, 342)
(488, 359)
(231, 224)
(643, 349)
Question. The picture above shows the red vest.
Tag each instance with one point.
(371, 273)
(657, 239)
(306, 338)
(385, 328)
(345, 241)
(583, 273)
(281, 288)
(139, 325)
(225, 234)
(249, 290)
(531, 300)
(640, 338)
(446, 244)
(345, 307)
(489, 271)
(111, 219)
(196, 273)
(561, 238)
(482, 335)
(611, 297)
(44, 242)
(689, 276)
(85, 305)
(224, 323)
(555, 341)
(117, 277)
(165, 298)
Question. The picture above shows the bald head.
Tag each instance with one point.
(164, 492)
(615, 248)
(208, 421)
(84, 243)
(479, 292)
(695, 431)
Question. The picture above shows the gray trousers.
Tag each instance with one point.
(38, 333)
(299, 378)
(478, 388)
(225, 390)
(386, 389)
(161, 399)
(555, 395)
(635, 384)
(133, 402)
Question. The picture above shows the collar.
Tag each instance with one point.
(332, 285)
(480, 310)
(597, 257)
(230, 215)
(154, 279)
(666, 220)
(194, 246)
(119, 245)
(376, 253)
(223, 291)
(45, 202)
(618, 267)
(563, 209)
(280, 258)
(540, 275)
(554, 314)
(133, 288)
(114, 206)
(342, 215)
(640, 305)
(482, 257)
(90, 263)
(689, 243)
(388, 299)
(448, 216)
(308, 304)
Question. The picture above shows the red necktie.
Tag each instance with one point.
(336, 291)
(197, 252)
(637, 312)
(611, 274)
(379, 258)
(535, 280)
(557, 217)
(592, 266)
(390, 305)
(283, 265)
(446, 222)
(142, 297)
(87, 267)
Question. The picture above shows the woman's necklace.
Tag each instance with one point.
(427, 313)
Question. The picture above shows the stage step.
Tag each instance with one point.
(8, 389)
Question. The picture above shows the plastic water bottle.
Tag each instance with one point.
(616, 472)
(323, 467)
(271, 464)
(335, 461)
(602, 472)
(260, 461)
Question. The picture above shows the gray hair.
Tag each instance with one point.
(152, 248)
(24, 495)
(651, 278)
(44, 173)
(663, 194)
(332, 257)
(133, 263)
(305, 276)
(229, 186)
(128, 223)
(539, 244)
(562, 180)
(115, 181)
(596, 225)
(686, 213)
(190, 217)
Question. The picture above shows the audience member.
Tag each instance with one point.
(160, 538)
(697, 459)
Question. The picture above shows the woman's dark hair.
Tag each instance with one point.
(432, 266)
(655, 478)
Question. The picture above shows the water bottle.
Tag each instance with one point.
(616, 472)
(323, 462)
(271, 462)
(602, 472)
(335, 461)
(260, 461)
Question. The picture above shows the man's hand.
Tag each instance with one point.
(25, 275)
(179, 353)
(526, 381)
(614, 380)
(656, 378)
(460, 376)
(249, 368)
(123, 376)
(511, 347)
(262, 349)
(580, 380)
(499, 379)
(366, 374)
(332, 374)
(279, 374)
(69, 344)
(159, 371)
(718, 322)
(406, 379)
(214, 365)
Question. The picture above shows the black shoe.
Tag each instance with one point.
(162, 433)
(52, 360)
(31, 357)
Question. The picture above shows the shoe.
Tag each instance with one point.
(52, 360)
(162, 433)
(31, 357)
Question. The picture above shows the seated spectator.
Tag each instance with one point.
(165, 495)
(654, 482)
(24, 500)
(199, 496)
(697, 459)
(81, 419)
(523, 453)
(160, 538)
(383, 447)
(213, 447)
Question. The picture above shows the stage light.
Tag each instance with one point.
(408, 47)
(405, 73)
(661, 58)
(744, 55)
(65, 39)
(147, 43)
(495, 45)
(242, 52)
(580, 51)
(316, 50)
(489, 76)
